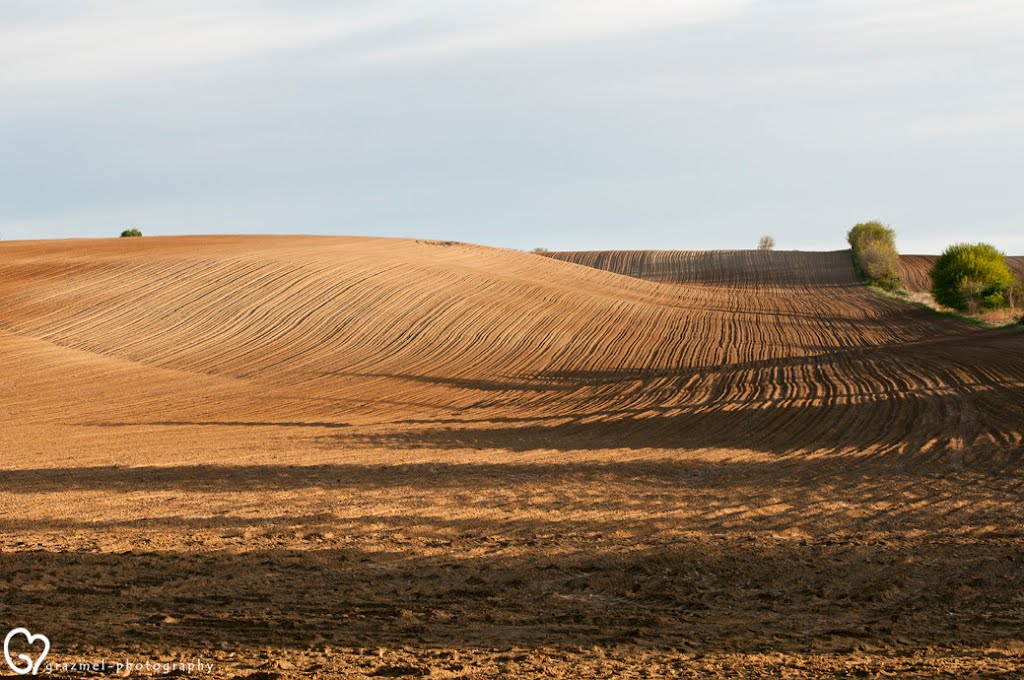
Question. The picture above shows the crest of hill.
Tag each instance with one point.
(293, 307)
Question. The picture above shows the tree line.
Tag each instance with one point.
(968, 277)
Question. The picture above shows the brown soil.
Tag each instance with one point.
(380, 457)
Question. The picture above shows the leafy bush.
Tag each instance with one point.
(971, 277)
(130, 233)
(766, 243)
(874, 254)
(870, 231)
(539, 250)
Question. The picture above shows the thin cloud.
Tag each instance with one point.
(147, 37)
(111, 46)
(507, 24)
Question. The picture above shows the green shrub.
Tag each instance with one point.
(874, 254)
(539, 250)
(971, 277)
(130, 233)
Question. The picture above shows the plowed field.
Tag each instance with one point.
(299, 456)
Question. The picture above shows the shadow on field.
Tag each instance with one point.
(521, 501)
(938, 400)
(981, 426)
(703, 595)
(227, 423)
(984, 426)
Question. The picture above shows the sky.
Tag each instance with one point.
(565, 124)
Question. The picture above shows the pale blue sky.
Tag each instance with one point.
(570, 124)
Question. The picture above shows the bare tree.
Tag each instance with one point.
(766, 243)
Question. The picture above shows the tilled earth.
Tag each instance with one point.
(361, 457)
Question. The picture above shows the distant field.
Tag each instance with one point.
(746, 268)
(322, 456)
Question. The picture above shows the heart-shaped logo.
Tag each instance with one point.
(29, 666)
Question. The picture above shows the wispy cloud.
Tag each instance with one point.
(922, 19)
(153, 36)
(504, 24)
(120, 40)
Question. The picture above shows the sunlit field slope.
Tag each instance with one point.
(366, 330)
(836, 364)
(325, 456)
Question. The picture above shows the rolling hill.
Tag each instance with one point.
(386, 456)
(318, 329)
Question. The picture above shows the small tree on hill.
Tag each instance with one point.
(874, 254)
(864, 232)
(539, 250)
(766, 243)
(971, 277)
(131, 233)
